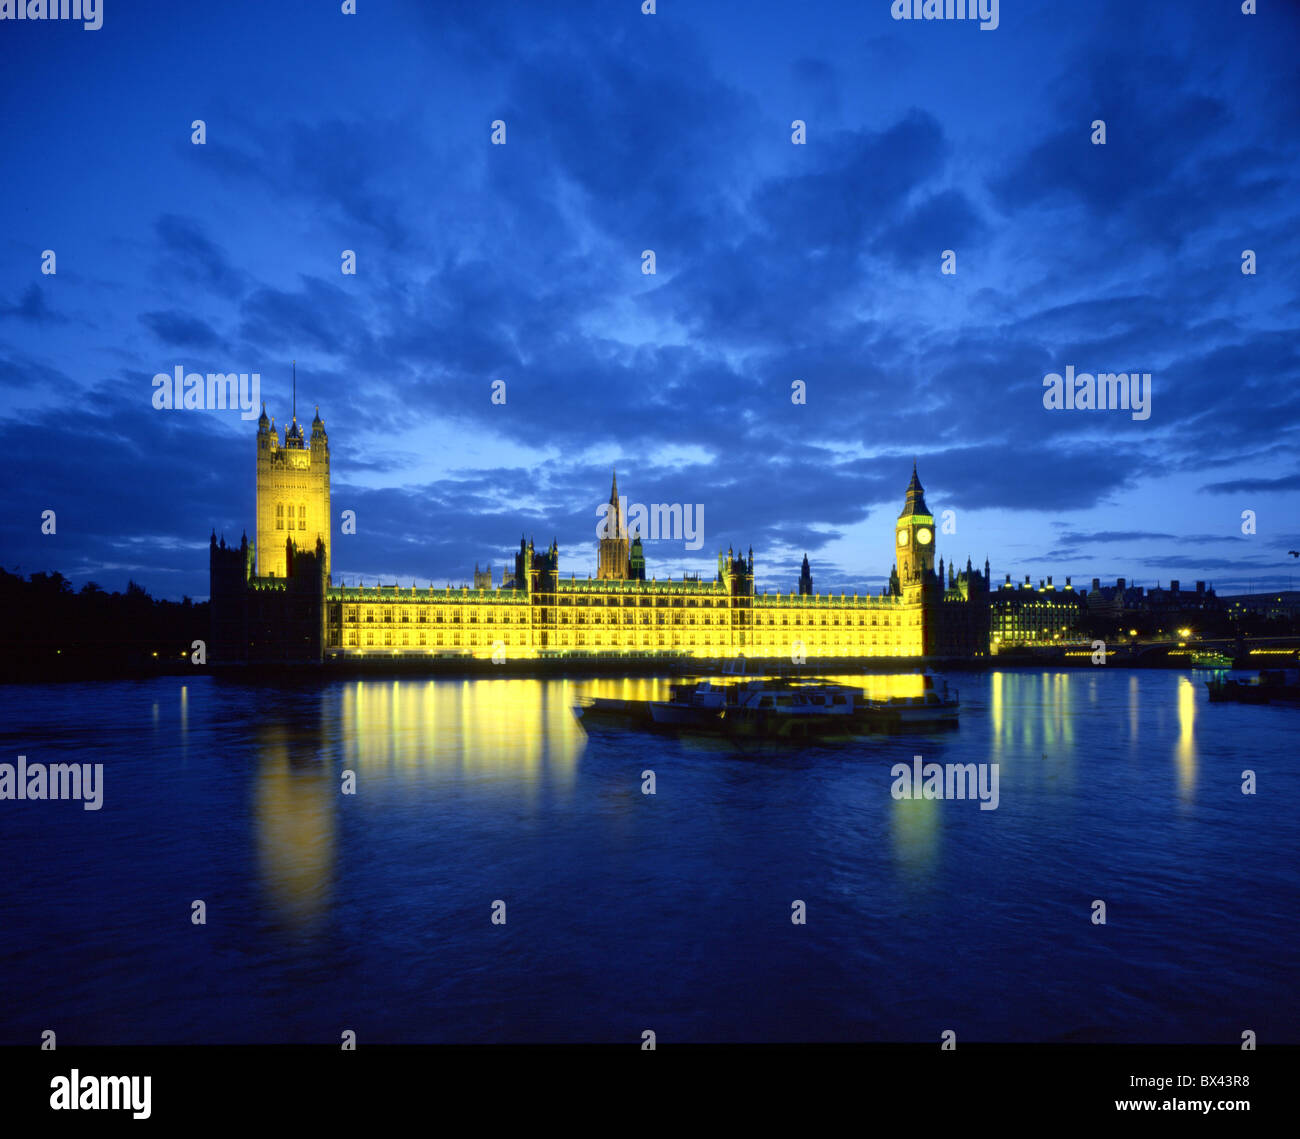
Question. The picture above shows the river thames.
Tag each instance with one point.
(625, 911)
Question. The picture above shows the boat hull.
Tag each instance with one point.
(755, 711)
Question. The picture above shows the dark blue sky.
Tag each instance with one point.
(775, 263)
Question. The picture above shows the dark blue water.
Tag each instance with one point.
(624, 911)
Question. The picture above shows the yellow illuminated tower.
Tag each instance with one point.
(611, 547)
(914, 539)
(293, 492)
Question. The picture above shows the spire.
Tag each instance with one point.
(615, 523)
(915, 501)
(805, 577)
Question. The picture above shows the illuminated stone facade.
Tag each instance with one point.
(293, 493)
(617, 612)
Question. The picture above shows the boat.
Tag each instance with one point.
(612, 712)
(934, 708)
(784, 709)
(697, 707)
(1270, 686)
(776, 709)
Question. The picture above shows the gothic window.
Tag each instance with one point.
(279, 515)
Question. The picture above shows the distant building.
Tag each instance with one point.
(1112, 600)
(1282, 605)
(483, 578)
(1121, 599)
(1024, 614)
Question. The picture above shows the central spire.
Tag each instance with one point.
(915, 501)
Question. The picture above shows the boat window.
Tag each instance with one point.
(765, 702)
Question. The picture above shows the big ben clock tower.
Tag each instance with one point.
(914, 537)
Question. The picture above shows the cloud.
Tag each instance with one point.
(33, 308)
(189, 254)
(176, 329)
(1253, 485)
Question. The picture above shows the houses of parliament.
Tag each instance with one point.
(275, 600)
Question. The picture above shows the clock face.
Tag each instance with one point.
(923, 536)
(902, 537)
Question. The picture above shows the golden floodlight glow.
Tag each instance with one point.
(537, 614)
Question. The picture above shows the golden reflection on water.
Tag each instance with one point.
(996, 716)
(1133, 709)
(294, 805)
(1041, 706)
(914, 827)
(520, 732)
(508, 727)
(522, 735)
(1185, 750)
